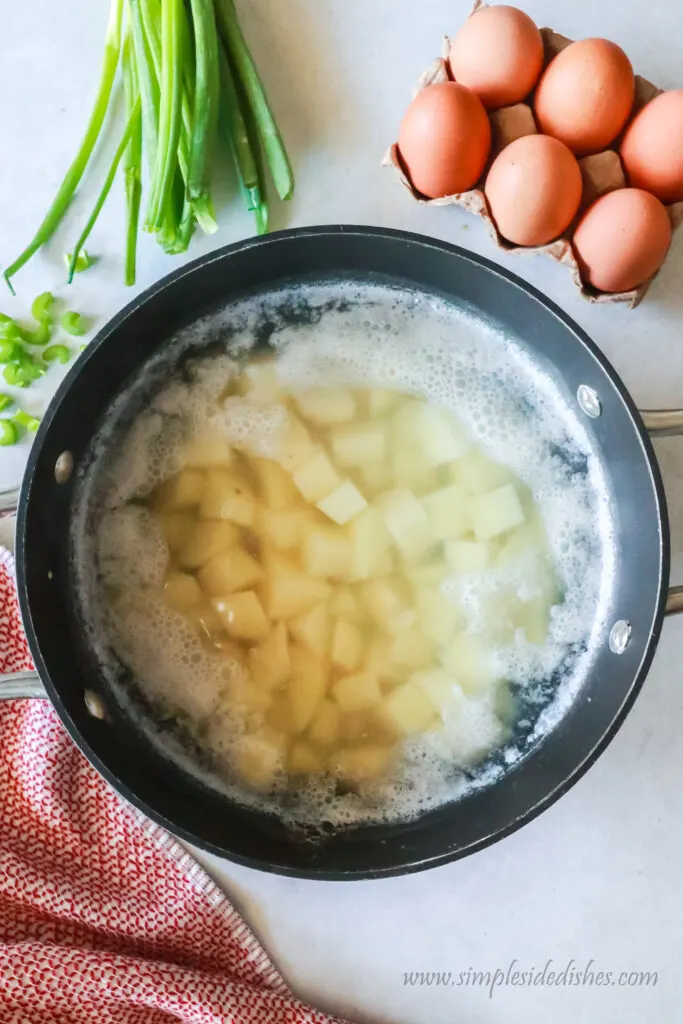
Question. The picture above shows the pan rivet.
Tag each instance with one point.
(619, 636)
(589, 401)
(94, 704)
(64, 467)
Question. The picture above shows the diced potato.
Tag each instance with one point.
(260, 382)
(408, 710)
(363, 444)
(478, 473)
(380, 663)
(448, 512)
(234, 570)
(496, 512)
(499, 612)
(533, 618)
(359, 726)
(344, 604)
(382, 401)
(410, 470)
(176, 528)
(208, 451)
(528, 537)
(429, 574)
(280, 716)
(275, 486)
(326, 405)
(276, 738)
(357, 692)
(325, 726)
(247, 697)
(407, 522)
(384, 602)
(464, 556)
(347, 646)
(362, 764)
(326, 552)
(257, 762)
(243, 616)
(210, 629)
(283, 528)
(469, 661)
(208, 538)
(287, 591)
(312, 630)
(439, 687)
(343, 504)
(304, 759)
(370, 541)
(411, 648)
(295, 446)
(307, 687)
(431, 431)
(437, 616)
(317, 477)
(228, 496)
(182, 592)
(377, 478)
(184, 490)
(269, 662)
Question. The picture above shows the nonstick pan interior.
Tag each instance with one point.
(172, 796)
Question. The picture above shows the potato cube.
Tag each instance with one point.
(242, 616)
(437, 616)
(343, 504)
(411, 648)
(496, 512)
(357, 692)
(347, 646)
(359, 726)
(448, 512)
(326, 552)
(307, 687)
(407, 522)
(208, 451)
(326, 405)
(288, 592)
(433, 432)
(362, 764)
(376, 479)
(407, 710)
(205, 620)
(260, 382)
(325, 726)
(257, 762)
(176, 528)
(283, 528)
(380, 663)
(206, 539)
(234, 570)
(182, 592)
(247, 697)
(439, 687)
(317, 477)
(280, 716)
(464, 556)
(533, 617)
(384, 602)
(344, 604)
(478, 473)
(410, 470)
(363, 444)
(382, 401)
(304, 759)
(184, 490)
(295, 446)
(429, 574)
(228, 496)
(469, 661)
(528, 538)
(312, 630)
(370, 541)
(275, 486)
(269, 662)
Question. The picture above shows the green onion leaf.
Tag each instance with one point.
(24, 419)
(83, 261)
(57, 352)
(42, 307)
(172, 14)
(132, 167)
(9, 433)
(73, 323)
(5, 402)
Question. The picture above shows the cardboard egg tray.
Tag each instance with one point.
(602, 172)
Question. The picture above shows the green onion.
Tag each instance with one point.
(169, 111)
(73, 323)
(9, 350)
(148, 81)
(5, 402)
(57, 352)
(236, 126)
(132, 169)
(24, 419)
(206, 99)
(243, 64)
(4, 319)
(83, 261)
(9, 433)
(77, 169)
(41, 309)
(40, 335)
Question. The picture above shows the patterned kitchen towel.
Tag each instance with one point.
(103, 916)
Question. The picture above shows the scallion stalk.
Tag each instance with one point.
(132, 163)
(205, 121)
(169, 111)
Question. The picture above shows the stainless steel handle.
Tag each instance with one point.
(21, 684)
(666, 423)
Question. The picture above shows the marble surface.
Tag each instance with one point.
(597, 877)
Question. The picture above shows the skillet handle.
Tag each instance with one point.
(666, 423)
(21, 684)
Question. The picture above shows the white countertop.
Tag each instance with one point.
(598, 876)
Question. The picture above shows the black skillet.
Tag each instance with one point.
(174, 798)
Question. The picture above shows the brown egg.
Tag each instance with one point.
(533, 189)
(498, 54)
(444, 140)
(585, 95)
(622, 240)
(652, 148)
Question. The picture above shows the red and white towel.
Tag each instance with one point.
(104, 918)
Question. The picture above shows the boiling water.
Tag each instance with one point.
(337, 335)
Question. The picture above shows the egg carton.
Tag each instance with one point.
(602, 172)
